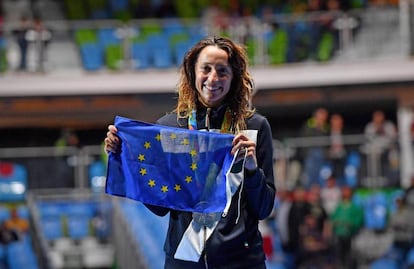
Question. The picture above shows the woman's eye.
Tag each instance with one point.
(222, 72)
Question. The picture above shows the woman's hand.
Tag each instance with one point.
(242, 144)
(112, 142)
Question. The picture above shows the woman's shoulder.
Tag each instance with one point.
(256, 121)
(171, 119)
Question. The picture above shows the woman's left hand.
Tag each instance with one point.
(242, 144)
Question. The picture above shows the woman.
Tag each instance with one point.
(214, 94)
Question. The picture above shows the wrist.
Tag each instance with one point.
(250, 172)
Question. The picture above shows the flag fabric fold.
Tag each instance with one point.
(170, 167)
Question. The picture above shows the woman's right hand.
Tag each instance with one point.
(112, 142)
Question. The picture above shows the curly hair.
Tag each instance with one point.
(241, 89)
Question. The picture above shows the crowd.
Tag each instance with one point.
(328, 148)
(334, 226)
(324, 220)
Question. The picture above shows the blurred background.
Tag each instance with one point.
(335, 79)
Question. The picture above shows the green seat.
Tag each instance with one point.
(177, 38)
(251, 46)
(150, 27)
(114, 57)
(277, 47)
(326, 47)
(3, 60)
(83, 36)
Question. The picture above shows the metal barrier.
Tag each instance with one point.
(53, 167)
(50, 167)
(376, 168)
(382, 32)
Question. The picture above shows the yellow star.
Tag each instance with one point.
(188, 179)
(143, 171)
(141, 157)
(177, 188)
(193, 152)
(158, 137)
(185, 142)
(151, 183)
(173, 136)
(164, 188)
(193, 166)
(147, 145)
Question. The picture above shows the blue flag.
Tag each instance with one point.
(170, 167)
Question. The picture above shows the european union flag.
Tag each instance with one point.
(170, 167)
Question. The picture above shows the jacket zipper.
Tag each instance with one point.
(205, 246)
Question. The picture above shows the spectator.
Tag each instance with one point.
(7, 235)
(346, 220)
(330, 195)
(314, 247)
(21, 39)
(402, 225)
(409, 194)
(17, 223)
(381, 136)
(282, 221)
(215, 18)
(65, 158)
(316, 126)
(40, 36)
(298, 210)
(337, 151)
(318, 212)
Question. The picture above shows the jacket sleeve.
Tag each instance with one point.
(260, 186)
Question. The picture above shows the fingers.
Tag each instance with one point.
(242, 144)
(112, 141)
(246, 149)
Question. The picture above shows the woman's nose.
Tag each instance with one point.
(212, 77)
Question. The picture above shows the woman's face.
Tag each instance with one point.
(213, 76)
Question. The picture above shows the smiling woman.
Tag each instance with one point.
(214, 95)
(213, 76)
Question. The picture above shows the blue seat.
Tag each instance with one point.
(384, 263)
(162, 57)
(181, 48)
(141, 55)
(107, 37)
(97, 176)
(51, 228)
(92, 56)
(409, 260)
(49, 209)
(152, 240)
(4, 213)
(275, 265)
(84, 209)
(13, 182)
(2, 43)
(172, 27)
(375, 211)
(20, 254)
(325, 172)
(352, 166)
(78, 226)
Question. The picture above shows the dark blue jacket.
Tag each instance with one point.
(231, 246)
